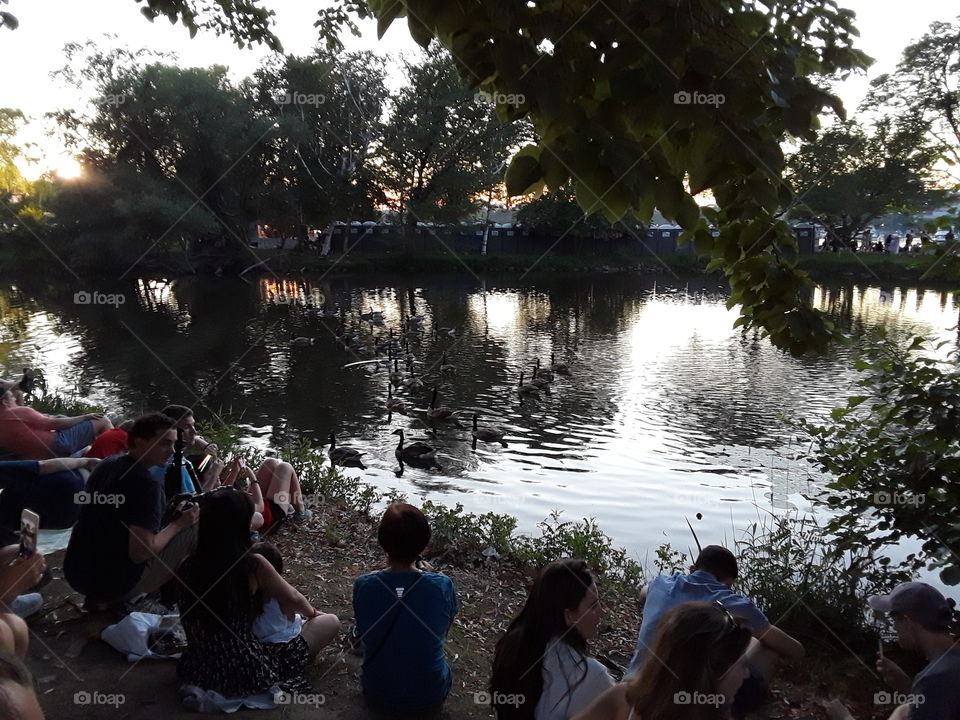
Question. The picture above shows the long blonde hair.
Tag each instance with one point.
(696, 643)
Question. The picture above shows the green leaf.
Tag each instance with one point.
(391, 10)
(950, 575)
(523, 175)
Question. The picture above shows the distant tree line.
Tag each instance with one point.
(183, 160)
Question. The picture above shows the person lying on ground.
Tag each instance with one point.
(223, 590)
(119, 548)
(710, 579)
(48, 487)
(271, 625)
(17, 575)
(697, 664)
(403, 616)
(921, 616)
(18, 699)
(110, 442)
(31, 435)
(541, 666)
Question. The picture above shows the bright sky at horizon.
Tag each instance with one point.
(31, 52)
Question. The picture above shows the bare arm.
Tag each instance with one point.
(200, 446)
(290, 599)
(62, 423)
(61, 464)
(18, 574)
(642, 597)
(781, 643)
(255, 493)
(894, 675)
(145, 544)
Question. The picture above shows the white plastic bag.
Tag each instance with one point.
(129, 636)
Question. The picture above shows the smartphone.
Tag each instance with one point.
(29, 524)
(204, 462)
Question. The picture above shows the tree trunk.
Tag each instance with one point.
(327, 240)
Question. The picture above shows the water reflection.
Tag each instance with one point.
(668, 412)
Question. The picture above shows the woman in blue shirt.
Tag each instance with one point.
(403, 616)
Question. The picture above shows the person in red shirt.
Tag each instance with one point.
(34, 436)
(111, 442)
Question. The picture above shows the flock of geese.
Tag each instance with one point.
(386, 351)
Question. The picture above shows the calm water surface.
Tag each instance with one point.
(668, 411)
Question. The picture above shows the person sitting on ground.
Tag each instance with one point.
(193, 445)
(18, 699)
(710, 579)
(403, 616)
(271, 625)
(921, 616)
(543, 657)
(698, 662)
(235, 474)
(17, 575)
(48, 487)
(110, 442)
(31, 435)
(119, 548)
(280, 487)
(224, 588)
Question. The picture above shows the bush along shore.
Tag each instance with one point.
(786, 564)
(917, 269)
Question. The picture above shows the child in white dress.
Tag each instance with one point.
(272, 626)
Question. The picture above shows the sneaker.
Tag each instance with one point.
(303, 516)
(26, 605)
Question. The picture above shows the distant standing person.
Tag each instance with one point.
(893, 244)
(31, 435)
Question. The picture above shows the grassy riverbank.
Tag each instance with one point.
(921, 270)
(786, 566)
(822, 267)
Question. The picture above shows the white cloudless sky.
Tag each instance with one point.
(30, 53)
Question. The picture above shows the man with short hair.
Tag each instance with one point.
(193, 445)
(921, 616)
(31, 435)
(119, 548)
(710, 580)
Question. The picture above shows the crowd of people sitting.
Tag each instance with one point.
(167, 526)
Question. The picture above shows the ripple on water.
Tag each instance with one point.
(668, 411)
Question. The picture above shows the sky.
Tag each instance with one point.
(31, 52)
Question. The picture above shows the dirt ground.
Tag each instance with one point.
(80, 676)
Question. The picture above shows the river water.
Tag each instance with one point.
(667, 412)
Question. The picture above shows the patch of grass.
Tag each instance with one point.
(56, 404)
(788, 565)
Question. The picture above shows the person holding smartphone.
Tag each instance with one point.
(18, 573)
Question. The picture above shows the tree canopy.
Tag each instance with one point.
(852, 175)
(442, 144)
(658, 101)
(926, 87)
